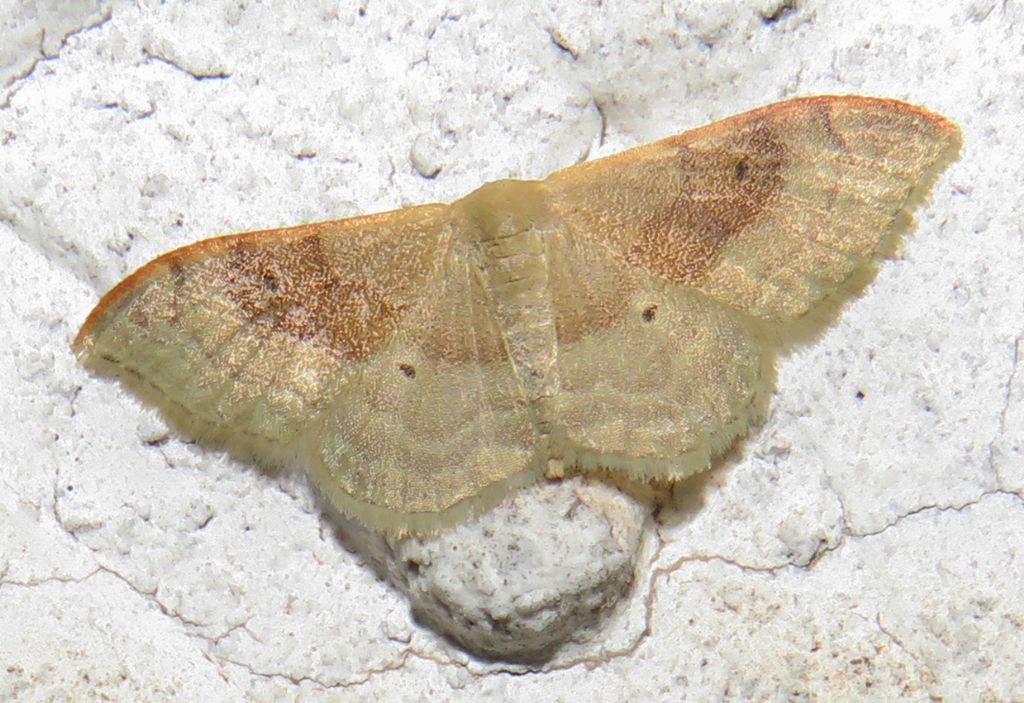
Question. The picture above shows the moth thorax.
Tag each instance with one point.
(509, 224)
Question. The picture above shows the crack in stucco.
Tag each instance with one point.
(895, 640)
(19, 79)
(663, 572)
(399, 662)
(492, 668)
(198, 75)
(938, 508)
(42, 581)
(827, 548)
(924, 668)
(413, 652)
(131, 112)
(191, 627)
(1007, 401)
(658, 573)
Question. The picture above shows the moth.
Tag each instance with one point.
(422, 363)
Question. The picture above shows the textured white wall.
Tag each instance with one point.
(854, 548)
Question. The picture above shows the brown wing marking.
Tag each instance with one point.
(765, 211)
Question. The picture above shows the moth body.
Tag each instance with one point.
(422, 363)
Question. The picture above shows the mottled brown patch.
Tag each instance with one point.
(713, 194)
(824, 111)
(296, 289)
(590, 292)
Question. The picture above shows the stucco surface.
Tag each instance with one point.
(864, 544)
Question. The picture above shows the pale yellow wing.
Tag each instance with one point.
(361, 348)
(667, 248)
(654, 379)
(766, 211)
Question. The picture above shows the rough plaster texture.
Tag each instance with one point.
(865, 544)
(528, 581)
